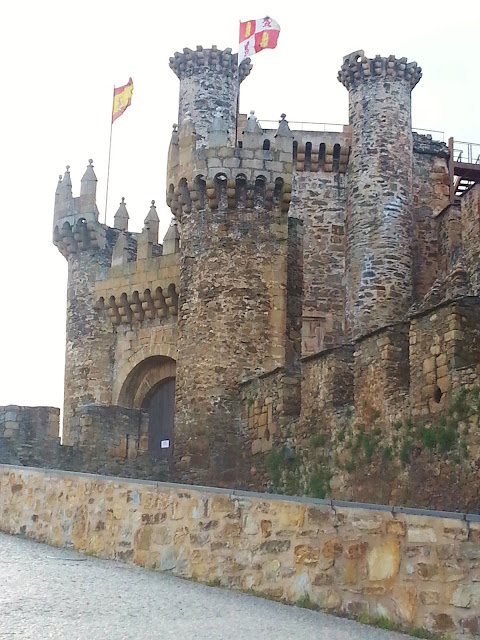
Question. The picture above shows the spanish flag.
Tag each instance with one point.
(256, 35)
(122, 98)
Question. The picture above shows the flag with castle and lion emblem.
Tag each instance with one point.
(256, 35)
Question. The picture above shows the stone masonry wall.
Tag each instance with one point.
(111, 440)
(318, 199)
(444, 355)
(379, 201)
(417, 569)
(209, 79)
(470, 216)
(90, 346)
(29, 435)
(431, 184)
(450, 249)
(381, 375)
(327, 386)
(270, 405)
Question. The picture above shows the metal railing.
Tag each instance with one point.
(296, 125)
(468, 152)
(333, 127)
(430, 132)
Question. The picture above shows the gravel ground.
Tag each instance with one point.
(57, 593)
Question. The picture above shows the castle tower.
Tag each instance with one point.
(231, 205)
(379, 206)
(89, 340)
(209, 78)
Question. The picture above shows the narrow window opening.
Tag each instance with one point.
(295, 151)
(336, 158)
(321, 156)
(308, 156)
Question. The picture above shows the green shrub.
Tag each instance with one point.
(428, 437)
(368, 445)
(446, 438)
(275, 462)
(387, 454)
(318, 440)
(319, 482)
(350, 465)
(405, 451)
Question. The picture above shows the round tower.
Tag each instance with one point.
(231, 204)
(89, 336)
(209, 78)
(379, 190)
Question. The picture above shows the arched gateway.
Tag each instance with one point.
(151, 386)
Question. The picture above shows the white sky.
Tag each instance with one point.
(60, 61)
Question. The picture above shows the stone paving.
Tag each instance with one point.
(57, 593)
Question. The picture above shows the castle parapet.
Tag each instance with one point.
(357, 67)
(228, 177)
(224, 61)
(209, 79)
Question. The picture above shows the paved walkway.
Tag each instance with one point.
(56, 593)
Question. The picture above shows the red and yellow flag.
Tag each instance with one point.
(256, 35)
(122, 98)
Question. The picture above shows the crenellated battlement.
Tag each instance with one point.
(357, 68)
(81, 236)
(219, 175)
(223, 61)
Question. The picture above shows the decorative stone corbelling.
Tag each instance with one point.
(357, 68)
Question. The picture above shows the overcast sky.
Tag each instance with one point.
(60, 61)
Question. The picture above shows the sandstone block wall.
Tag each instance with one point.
(416, 568)
(444, 355)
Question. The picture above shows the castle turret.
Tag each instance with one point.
(231, 204)
(120, 220)
(90, 339)
(209, 78)
(152, 223)
(379, 206)
(88, 194)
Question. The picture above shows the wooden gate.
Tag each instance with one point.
(160, 404)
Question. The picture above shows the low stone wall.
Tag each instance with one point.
(418, 569)
(111, 440)
(29, 435)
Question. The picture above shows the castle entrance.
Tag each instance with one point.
(160, 404)
(150, 386)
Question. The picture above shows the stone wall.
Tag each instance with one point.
(110, 440)
(29, 435)
(378, 263)
(270, 405)
(431, 183)
(318, 199)
(444, 355)
(90, 346)
(470, 208)
(420, 569)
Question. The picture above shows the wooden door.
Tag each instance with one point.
(160, 405)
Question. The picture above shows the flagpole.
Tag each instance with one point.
(109, 156)
(238, 89)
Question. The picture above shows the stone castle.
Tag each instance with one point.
(309, 323)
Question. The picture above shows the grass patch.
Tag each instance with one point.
(318, 441)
